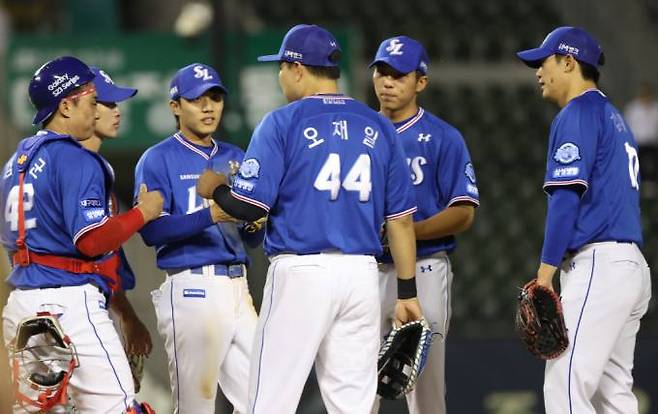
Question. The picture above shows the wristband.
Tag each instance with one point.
(407, 288)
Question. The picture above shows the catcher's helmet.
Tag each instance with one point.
(42, 361)
(55, 80)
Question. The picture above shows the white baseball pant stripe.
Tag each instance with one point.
(605, 290)
(207, 323)
(103, 382)
(433, 282)
(322, 309)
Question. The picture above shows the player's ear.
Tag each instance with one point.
(298, 70)
(174, 106)
(569, 63)
(65, 107)
(421, 83)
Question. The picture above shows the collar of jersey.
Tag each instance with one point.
(180, 138)
(400, 127)
(327, 95)
(593, 90)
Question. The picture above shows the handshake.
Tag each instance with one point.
(206, 186)
(149, 203)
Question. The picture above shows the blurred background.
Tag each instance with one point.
(475, 84)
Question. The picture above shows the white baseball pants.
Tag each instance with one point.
(606, 289)
(102, 383)
(321, 308)
(433, 282)
(207, 323)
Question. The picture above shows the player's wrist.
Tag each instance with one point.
(407, 288)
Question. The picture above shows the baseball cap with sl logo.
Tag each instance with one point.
(308, 44)
(194, 80)
(107, 90)
(565, 40)
(403, 54)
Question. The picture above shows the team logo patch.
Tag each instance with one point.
(470, 172)
(94, 214)
(194, 293)
(250, 168)
(91, 202)
(567, 153)
(22, 159)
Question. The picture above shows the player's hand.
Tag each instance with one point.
(137, 337)
(407, 310)
(149, 203)
(219, 215)
(208, 182)
(545, 275)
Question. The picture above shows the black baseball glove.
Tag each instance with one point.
(402, 358)
(540, 321)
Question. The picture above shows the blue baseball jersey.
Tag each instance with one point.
(329, 171)
(441, 169)
(591, 147)
(66, 193)
(173, 167)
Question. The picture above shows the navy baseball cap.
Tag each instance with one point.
(53, 81)
(565, 40)
(194, 80)
(308, 44)
(403, 54)
(107, 90)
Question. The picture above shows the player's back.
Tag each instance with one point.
(335, 180)
(610, 208)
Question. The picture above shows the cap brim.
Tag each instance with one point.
(404, 69)
(533, 57)
(201, 89)
(117, 94)
(269, 58)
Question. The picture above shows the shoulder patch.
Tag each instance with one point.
(250, 168)
(470, 172)
(567, 153)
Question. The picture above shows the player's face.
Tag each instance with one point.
(80, 108)
(200, 117)
(551, 79)
(396, 91)
(108, 118)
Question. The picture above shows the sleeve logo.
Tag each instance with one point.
(567, 153)
(250, 168)
(94, 215)
(470, 172)
(91, 202)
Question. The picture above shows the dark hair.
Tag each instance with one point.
(589, 72)
(330, 72)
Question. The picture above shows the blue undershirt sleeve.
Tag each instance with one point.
(168, 229)
(560, 224)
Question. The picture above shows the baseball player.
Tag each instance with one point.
(136, 338)
(204, 309)
(329, 171)
(446, 194)
(57, 228)
(593, 230)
